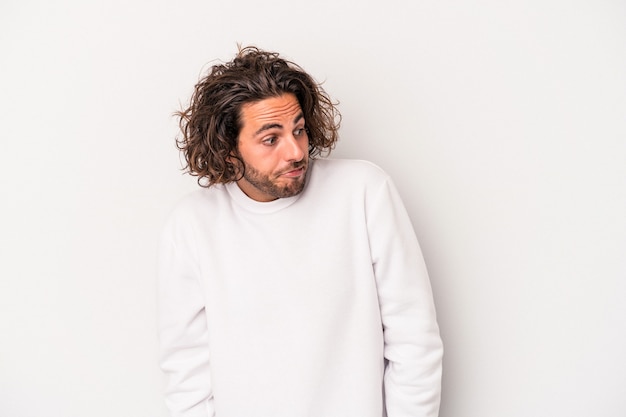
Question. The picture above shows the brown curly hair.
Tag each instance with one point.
(210, 125)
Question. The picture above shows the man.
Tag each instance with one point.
(289, 285)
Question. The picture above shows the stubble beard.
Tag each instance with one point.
(267, 185)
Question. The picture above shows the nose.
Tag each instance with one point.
(293, 148)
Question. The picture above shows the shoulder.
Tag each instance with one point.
(194, 200)
(346, 179)
(351, 169)
(195, 207)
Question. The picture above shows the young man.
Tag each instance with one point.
(289, 285)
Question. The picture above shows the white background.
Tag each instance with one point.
(503, 124)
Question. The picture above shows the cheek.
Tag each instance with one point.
(261, 160)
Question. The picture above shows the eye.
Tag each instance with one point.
(299, 132)
(269, 141)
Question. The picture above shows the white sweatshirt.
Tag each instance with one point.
(298, 307)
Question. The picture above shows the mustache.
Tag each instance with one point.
(293, 167)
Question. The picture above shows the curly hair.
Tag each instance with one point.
(211, 124)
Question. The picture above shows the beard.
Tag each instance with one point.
(269, 185)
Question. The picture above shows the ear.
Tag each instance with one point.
(234, 163)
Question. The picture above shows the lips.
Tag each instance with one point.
(294, 171)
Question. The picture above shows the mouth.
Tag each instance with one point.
(295, 172)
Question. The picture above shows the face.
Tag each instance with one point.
(274, 147)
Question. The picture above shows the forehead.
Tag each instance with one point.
(272, 109)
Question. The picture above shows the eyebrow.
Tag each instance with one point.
(269, 126)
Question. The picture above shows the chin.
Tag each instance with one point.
(292, 189)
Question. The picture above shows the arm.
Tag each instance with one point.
(413, 347)
(182, 330)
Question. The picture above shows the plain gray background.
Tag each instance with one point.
(503, 124)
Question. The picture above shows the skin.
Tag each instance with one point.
(273, 144)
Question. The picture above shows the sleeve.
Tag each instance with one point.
(413, 348)
(183, 334)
